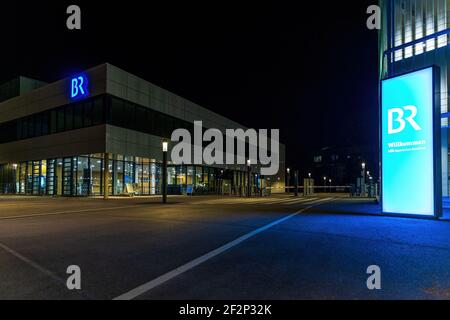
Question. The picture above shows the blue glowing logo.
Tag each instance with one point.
(408, 152)
(78, 87)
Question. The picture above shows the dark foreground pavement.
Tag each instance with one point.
(321, 253)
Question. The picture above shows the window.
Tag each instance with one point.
(53, 121)
(44, 123)
(129, 112)
(116, 112)
(31, 126)
(141, 117)
(78, 116)
(69, 118)
(97, 112)
(60, 120)
(92, 112)
(88, 110)
(19, 129)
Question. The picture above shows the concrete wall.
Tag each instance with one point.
(65, 144)
(132, 88)
(50, 96)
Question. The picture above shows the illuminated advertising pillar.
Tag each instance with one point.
(410, 144)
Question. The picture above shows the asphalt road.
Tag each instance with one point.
(218, 248)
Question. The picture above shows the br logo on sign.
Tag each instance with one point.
(78, 87)
(401, 120)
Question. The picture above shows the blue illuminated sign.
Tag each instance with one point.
(410, 140)
(78, 87)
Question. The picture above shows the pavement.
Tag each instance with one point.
(206, 248)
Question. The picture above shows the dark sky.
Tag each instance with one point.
(309, 71)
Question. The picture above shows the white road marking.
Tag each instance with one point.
(68, 212)
(31, 263)
(299, 201)
(138, 291)
(41, 269)
(253, 201)
(320, 200)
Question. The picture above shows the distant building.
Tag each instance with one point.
(344, 165)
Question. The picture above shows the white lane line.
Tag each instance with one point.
(138, 291)
(31, 263)
(297, 201)
(68, 212)
(40, 269)
(320, 200)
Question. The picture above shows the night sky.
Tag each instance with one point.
(309, 71)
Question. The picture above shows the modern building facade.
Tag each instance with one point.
(414, 35)
(101, 133)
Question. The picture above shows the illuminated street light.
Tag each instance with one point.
(249, 183)
(288, 187)
(165, 146)
(165, 149)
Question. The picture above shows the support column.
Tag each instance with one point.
(249, 182)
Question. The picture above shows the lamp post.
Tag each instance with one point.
(106, 176)
(363, 180)
(165, 149)
(288, 181)
(330, 184)
(325, 184)
(296, 183)
(249, 184)
(310, 184)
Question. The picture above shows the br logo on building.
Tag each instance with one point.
(78, 87)
(398, 118)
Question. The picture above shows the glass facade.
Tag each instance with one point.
(84, 176)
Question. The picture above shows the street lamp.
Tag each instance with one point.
(325, 184)
(288, 180)
(330, 184)
(363, 180)
(296, 183)
(165, 146)
(309, 175)
(165, 149)
(249, 185)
